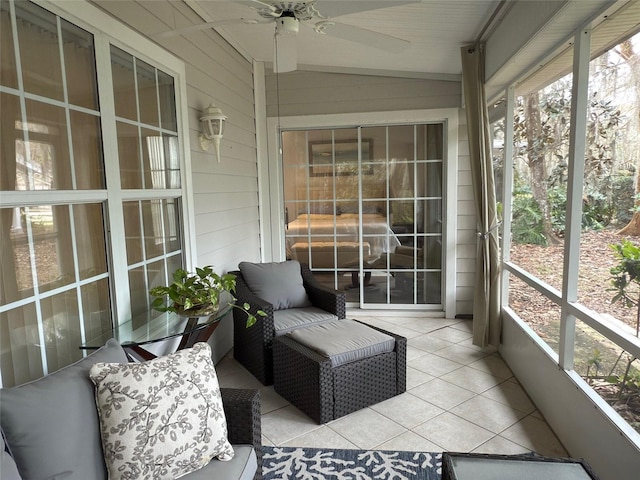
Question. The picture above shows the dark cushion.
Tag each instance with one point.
(51, 424)
(279, 283)
(344, 341)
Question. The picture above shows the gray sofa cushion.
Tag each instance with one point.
(344, 341)
(8, 468)
(51, 424)
(242, 467)
(285, 321)
(279, 283)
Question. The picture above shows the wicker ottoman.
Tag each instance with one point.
(324, 390)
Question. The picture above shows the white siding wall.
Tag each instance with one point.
(315, 93)
(225, 194)
(466, 241)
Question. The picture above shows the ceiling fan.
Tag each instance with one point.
(316, 14)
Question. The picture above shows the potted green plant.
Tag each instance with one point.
(197, 294)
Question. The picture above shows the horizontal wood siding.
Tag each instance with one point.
(466, 235)
(317, 93)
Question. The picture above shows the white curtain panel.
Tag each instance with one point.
(486, 303)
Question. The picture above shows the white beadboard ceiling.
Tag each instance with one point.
(436, 29)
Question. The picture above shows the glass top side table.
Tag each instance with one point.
(153, 327)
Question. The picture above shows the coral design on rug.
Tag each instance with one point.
(289, 463)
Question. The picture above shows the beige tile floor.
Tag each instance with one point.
(459, 398)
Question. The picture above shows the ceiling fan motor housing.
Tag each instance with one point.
(287, 24)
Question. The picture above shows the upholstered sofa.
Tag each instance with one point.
(51, 427)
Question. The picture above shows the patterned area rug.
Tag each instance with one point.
(288, 463)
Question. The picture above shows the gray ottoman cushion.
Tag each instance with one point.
(51, 424)
(344, 341)
(285, 321)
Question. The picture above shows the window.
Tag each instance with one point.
(561, 257)
(90, 219)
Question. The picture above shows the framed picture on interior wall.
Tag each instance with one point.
(341, 154)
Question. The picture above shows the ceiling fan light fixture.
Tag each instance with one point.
(287, 25)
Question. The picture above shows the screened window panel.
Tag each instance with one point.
(124, 84)
(46, 152)
(39, 51)
(80, 66)
(61, 330)
(88, 221)
(51, 243)
(147, 93)
(88, 163)
(8, 73)
(166, 93)
(129, 155)
(20, 355)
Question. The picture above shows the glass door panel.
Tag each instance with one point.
(365, 212)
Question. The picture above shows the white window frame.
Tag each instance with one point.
(109, 31)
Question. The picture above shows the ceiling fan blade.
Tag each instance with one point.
(205, 26)
(331, 9)
(285, 53)
(366, 37)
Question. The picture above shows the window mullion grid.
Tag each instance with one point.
(577, 145)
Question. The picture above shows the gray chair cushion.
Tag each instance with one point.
(285, 321)
(8, 468)
(242, 467)
(344, 341)
(51, 424)
(279, 283)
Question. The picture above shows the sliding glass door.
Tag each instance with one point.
(364, 208)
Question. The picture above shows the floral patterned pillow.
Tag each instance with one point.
(161, 419)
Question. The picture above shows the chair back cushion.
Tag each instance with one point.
(51, 424)
(279, 283)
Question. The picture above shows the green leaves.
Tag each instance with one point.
(195, 290)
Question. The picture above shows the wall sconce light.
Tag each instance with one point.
(212, 121)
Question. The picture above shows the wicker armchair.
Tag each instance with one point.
(252, 346)
(242, 412)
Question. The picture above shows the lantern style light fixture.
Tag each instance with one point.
(212, 121)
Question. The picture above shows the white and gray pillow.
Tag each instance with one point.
(161, 419)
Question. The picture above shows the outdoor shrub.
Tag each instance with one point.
(526, 225)
(623, 194)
